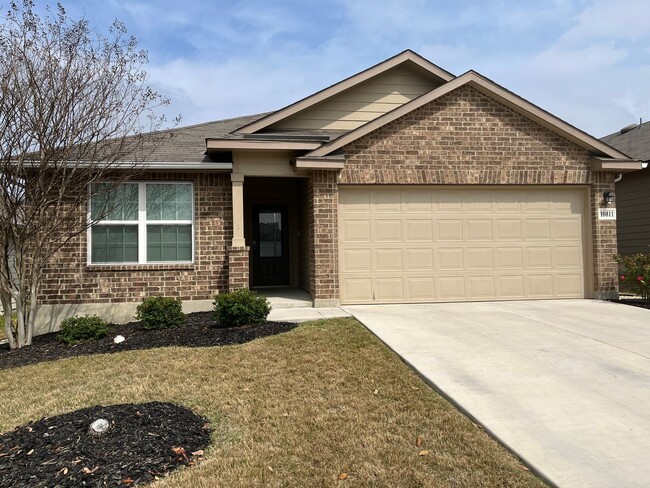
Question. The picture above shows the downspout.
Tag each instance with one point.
(618, 178)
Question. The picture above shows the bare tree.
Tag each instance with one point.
(75, 108)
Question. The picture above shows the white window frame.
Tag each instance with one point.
(142, 223)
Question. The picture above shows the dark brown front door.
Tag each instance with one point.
(270, 246)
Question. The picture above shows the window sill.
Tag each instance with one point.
(141, 267)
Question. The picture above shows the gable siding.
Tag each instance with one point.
(633, 212)
(362, 103)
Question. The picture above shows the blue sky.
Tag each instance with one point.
(586, 61)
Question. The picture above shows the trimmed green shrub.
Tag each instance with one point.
(241, 307)
(76, 329)
(635, 274)
(160, 313)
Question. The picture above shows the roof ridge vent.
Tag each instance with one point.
(628, 128)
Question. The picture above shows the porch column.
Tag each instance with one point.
(238, 252)
(237, 210)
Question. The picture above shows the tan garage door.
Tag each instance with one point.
(423, 244)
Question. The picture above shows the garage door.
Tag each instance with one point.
(423, 244)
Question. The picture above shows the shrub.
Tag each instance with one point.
(634, 273)
(241, 307)
(76, 329)
(160, 313)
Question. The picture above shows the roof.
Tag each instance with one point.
(633, 142)
(187, 144)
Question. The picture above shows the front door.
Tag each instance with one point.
(270, 246)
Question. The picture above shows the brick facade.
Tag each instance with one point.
(463, 138)
(238, 264)
(467, 138)
(69, 279)
(323, 237)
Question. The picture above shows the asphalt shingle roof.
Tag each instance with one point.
(187, 144)
(635, 143)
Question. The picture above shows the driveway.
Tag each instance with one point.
(564, 383)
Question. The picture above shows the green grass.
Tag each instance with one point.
(292, 410)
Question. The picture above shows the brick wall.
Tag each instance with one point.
(468, 138)
(238, 258)
(69, 279)
(323, 236)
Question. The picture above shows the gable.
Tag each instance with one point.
(362, 103)
(459, 136)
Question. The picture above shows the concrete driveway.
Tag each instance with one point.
(564, 383)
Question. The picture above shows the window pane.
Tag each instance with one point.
(169, 243)
(270, 231)
(114, 244)
(169, 201)
(118, 203)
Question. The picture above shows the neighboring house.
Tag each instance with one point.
(633, 190)
(402, 183)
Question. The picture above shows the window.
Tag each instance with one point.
(141, 223)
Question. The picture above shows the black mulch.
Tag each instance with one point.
(147, 440)
(636, 302)
(199, 331)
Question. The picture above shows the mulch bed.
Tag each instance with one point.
(635, 302)
(146, 442)
(199, 331)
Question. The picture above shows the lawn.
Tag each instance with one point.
(295, 409)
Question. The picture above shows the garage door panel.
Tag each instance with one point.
(357, 290)
(478, 201)
(357, 259)
(388, 260)
(538, 257)
(449, 230)
(568, 285)
(507, 202)
(567, 257)
(356, 230)
(566, 229)
(401, 244)
(481, 287)
(388, 201)
(508, 230)
(450, 259)
(419, 259)
(511, 286)
(510, 257)
(357, 201)
(479, 230)
(447, 202)
(479, 258)
(451, 288)
(537, 230)
(420, 289)
(389, 289)
(417, 201)
(418, 230)
(387, 231)
(540, 286)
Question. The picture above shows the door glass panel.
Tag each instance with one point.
(270, 227)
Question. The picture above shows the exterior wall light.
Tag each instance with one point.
(609, 197)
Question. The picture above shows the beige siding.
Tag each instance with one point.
(407, 244)
(362, 103)
(633, 212)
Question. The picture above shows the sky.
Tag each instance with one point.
(585, 61)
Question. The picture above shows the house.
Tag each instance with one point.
(403, 183)
(633, 190)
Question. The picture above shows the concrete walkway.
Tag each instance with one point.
(564, 383)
